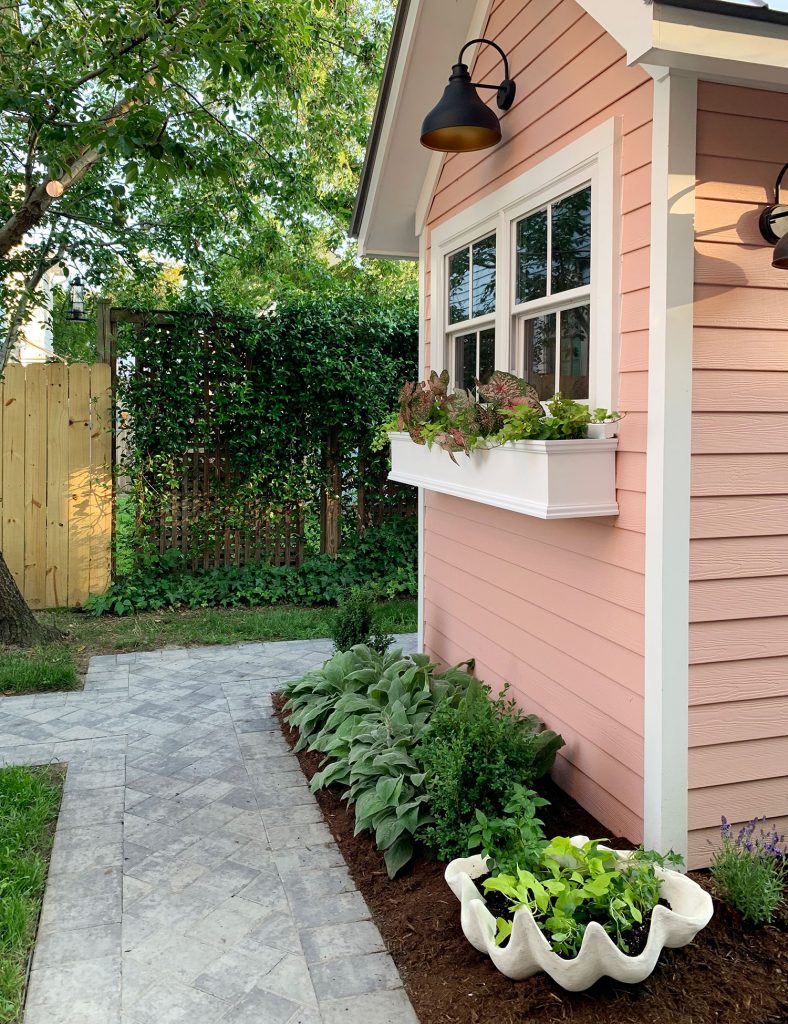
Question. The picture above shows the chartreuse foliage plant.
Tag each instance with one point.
(566, 887)
(749, 870)
(477, 751)
(367, 713)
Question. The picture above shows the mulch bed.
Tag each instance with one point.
(731, 974)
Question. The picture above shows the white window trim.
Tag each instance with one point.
(592, 159)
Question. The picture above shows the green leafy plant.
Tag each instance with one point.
(514, 838)
(567, 887)
(354, 622)
(367, 713)
(749, 870)
(477, 750)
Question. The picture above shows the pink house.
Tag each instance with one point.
(609, 246)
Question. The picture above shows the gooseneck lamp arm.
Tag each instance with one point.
(507, 87)
(774, 212)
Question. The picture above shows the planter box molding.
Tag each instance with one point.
(545, 479)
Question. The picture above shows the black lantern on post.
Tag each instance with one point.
(76, 304)
(774, 225)
(461, 122)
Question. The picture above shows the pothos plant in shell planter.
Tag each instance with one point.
(578, 911)
(505, 448)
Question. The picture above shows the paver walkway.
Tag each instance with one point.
(193, 879)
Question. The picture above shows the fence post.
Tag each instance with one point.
(331, 496)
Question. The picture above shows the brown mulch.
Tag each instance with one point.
(731, 974)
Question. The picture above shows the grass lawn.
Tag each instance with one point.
(55, 666)
(49, 667)
(29, 804)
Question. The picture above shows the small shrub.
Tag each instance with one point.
(476, 752)
(354, 622)
(749, 871)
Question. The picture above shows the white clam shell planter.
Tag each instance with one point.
(528, 950)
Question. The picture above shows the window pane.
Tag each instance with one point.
(486, 354)
(532, 257)
(573, 378)
(465, 360)
(459, 286)
(484, 276)
(571, 242)
(539, 346)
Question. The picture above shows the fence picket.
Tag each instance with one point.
(101, 496)
(57, 486)
(14, 472)
(35, 486)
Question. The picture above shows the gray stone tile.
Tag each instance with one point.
(170, 1002)
(87, 992)
(229, 922)
(390, 1007)
(54, 947)
(344, 907)
(290, 978)
(235, 973)
(351, 976)
(260, 1006)
(282, 836)
(340, 940)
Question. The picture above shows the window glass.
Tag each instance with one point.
(532, 257)
(484, 276)
(486, 354)
(459, 286)
(539, 348)
(571, 242)
(465, 360)
(573, 375)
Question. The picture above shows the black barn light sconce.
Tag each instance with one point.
(76, 303)
(774, 225)
(461, 122)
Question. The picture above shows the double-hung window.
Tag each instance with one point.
(471, 302)
(552, 296)
(527, 278)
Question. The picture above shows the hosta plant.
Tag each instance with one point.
(367, 713)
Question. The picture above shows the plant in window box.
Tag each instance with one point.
(604, 423)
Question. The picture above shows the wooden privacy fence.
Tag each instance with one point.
(56, 480)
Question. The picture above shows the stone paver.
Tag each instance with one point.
(193, 880)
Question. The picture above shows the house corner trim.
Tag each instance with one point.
(665, 775)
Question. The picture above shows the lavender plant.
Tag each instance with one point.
(749, 870)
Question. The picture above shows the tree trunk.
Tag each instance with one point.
(18, 626)
(331, 496)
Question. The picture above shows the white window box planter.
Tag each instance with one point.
(546, 479)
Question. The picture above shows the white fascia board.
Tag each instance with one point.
(433, 34)
(665, 762)
(717, 48)
(632, 29)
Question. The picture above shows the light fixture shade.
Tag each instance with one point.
(460, 122)
(780, 258)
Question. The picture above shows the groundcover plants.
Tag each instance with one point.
(373, 717)
(750, 870)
